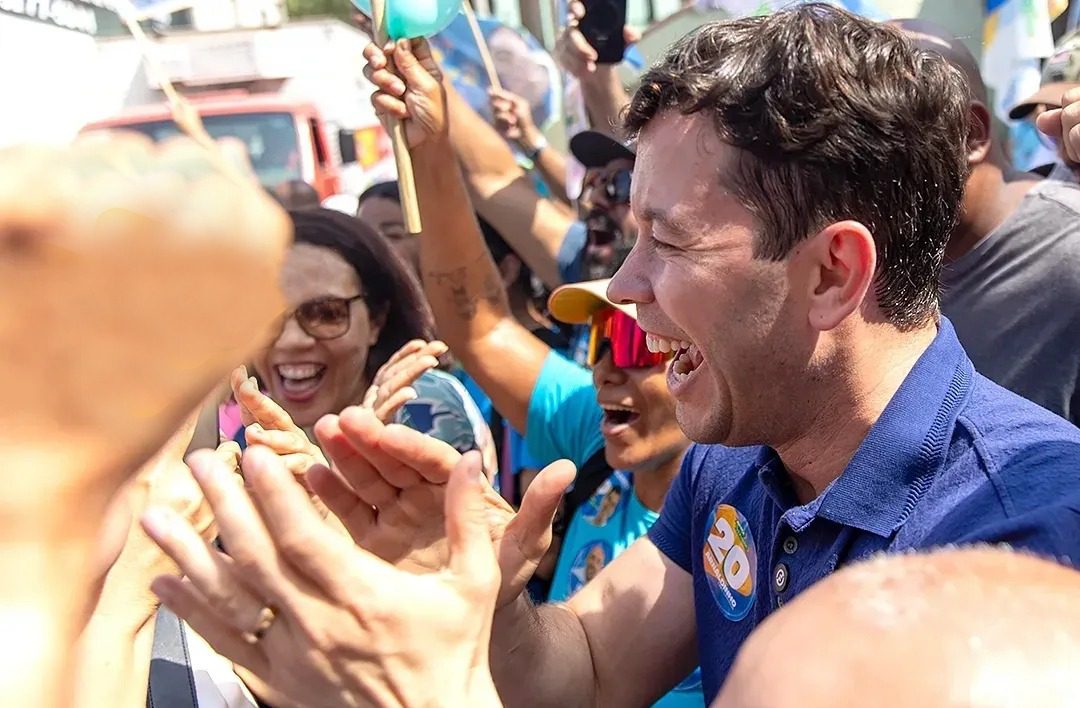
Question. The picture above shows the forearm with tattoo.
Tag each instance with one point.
(454, 285)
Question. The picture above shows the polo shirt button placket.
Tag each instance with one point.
(780, 578)
(791, 544)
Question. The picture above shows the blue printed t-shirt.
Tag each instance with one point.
(443, 409)
(564, 422)
(954, 459)
(602, 528)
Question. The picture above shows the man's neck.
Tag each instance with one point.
(651, 481)
(995, 192)
(842, 417)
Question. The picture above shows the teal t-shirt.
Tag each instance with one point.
(602, 528)
(564, 417)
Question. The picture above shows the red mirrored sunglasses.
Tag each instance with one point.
(615, 330)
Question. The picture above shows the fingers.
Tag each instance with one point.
(407, 57)
(1049, 122)
(299, 534)
(242, 531)
(405, 369)
(376, 55)
(283, 442)
(229, 452)
(532, 524)
(390, 87)
(430, 457)
(392, 379)
(207, 569)
(354, 467)
(388, 409)
(410, 347)
(182, 598)
(357, 516)
(1070, 124)
(630, 35)
(238, 376)
(365, 431)
(389, 107)
(266, 412)
(467, 533)
(584, 50)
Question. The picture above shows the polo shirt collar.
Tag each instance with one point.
(899, 457)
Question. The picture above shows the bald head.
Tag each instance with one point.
(935, 38)
(955, 628)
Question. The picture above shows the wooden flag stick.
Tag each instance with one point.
(410, 205)
(481, 44)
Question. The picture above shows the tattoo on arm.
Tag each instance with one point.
(466, 299)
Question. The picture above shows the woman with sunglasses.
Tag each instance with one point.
(353, 304)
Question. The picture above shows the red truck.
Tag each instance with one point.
(286, 139)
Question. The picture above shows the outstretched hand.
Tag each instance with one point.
(1063, 124)
(388, 487)
(268, 424)
(316, 618)
(392, 386)
(409, 88)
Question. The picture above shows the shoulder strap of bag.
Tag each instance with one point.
(171, 682)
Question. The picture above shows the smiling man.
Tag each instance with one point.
(796, 180)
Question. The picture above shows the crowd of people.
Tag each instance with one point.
(777, 408)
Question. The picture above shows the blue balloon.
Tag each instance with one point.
(406, 19)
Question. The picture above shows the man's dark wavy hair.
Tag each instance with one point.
(835, 117)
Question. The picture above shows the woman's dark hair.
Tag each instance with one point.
(390, 289)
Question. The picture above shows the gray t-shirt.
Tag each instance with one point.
(1015, 299)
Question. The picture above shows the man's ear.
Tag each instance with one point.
(980, 133)
(843, 258)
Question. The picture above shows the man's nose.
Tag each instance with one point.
(630, 284)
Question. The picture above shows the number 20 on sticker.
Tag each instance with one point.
(730, 561)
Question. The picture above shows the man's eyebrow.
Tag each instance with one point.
(664, 218)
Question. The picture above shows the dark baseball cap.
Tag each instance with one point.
(595, 149)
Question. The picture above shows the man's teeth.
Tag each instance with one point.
(657, 344)
(299, 371)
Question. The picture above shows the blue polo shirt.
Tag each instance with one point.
(954, 458)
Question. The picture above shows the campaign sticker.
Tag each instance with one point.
(731, 562)
(603, 504)
(589, 561)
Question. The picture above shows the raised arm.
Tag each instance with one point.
(513, 119)
(503, 193)
(461, 281)
(601, 88)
